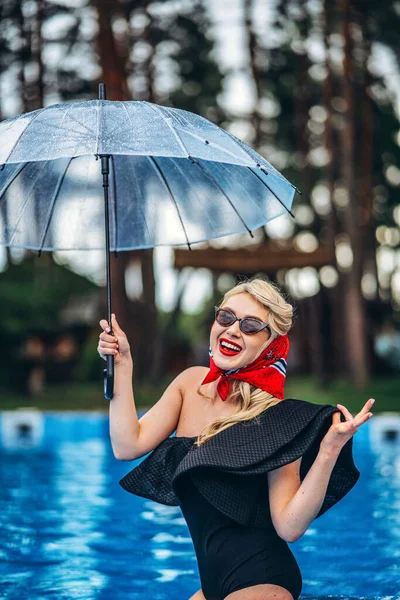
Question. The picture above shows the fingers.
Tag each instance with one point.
(105, 348)
(367, 406)
(364, 413)
(114, 325)
(108, 338)
(104, 325)
(361, 417)
(365, 409)
(346, 413)
(364, 418)
(113, 341)
(108, 343)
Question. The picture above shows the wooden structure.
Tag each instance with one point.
(268, 258)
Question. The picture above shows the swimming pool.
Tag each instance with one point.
(68, 530)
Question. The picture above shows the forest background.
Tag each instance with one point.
(312, 85)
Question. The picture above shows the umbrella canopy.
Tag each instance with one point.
(169, 177)
(175, 178)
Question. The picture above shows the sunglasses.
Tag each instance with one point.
(248, 325)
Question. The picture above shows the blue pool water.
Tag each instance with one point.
(68, 530)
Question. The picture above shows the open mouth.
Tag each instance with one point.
(228, 348)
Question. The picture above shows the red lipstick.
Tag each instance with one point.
(228, 351)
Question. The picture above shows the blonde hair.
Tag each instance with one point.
(252, 400)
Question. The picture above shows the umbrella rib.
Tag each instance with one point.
(217, 185)
(214, 145)
(158, 110)
(21, 136)
(53, 202)
(75, 120)
(161, 175)
(236, 140)
(197, 137)
(27, 200)
(128, 115)
(18, 171)
(272, 191)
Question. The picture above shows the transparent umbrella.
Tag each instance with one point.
(169, 177)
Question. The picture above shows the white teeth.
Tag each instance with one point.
(230, 346)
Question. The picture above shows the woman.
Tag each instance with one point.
(249, 470)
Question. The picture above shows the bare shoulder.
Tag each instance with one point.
(191, 377)
(195, 372)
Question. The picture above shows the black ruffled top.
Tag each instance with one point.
(230, 469)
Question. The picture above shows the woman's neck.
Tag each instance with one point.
(216, 399)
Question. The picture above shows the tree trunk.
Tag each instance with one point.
(37, 52)
(111, 62)
(31, 55)
(254, 70)
(336, 362)
(165, 335)
(354, 309)
(366, 169)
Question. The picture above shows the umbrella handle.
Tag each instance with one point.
(109, 378)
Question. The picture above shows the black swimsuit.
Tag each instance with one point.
(222, 489)
(231, 556)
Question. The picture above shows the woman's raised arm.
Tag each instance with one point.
(132, 437)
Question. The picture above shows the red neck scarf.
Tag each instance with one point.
(267, 372)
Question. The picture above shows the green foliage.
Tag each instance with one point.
(383, 389)
(89, 396)
(33, 294)
(89, 366)
(188, 323)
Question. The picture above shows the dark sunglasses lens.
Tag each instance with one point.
(251, 326)
(224, 317)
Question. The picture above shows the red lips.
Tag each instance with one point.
(228, 351)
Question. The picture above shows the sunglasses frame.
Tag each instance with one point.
(264, 325)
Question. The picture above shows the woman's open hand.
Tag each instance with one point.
(340, 432)
(116, 343)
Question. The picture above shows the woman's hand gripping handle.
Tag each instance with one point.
(113, 342)
(114, 348)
